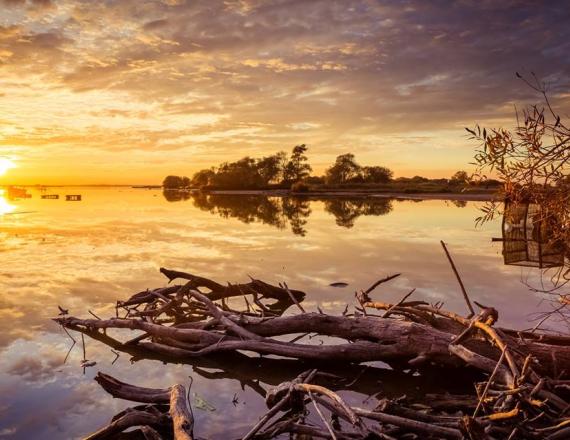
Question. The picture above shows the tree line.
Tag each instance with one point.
(282, 170)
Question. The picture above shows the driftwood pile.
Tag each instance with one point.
(521, 378)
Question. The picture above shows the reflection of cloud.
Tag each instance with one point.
(7, 431)
(37, 367)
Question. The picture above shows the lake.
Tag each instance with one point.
(84, 255)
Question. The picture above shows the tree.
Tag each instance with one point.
(174, 182)
(203, 177)
(240, 174)
(533, 164)
(271, 168)
(460, 177)
(377, 174)
(298, 167)
(344, 169)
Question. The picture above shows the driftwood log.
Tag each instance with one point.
(526, 374)
(166, 415)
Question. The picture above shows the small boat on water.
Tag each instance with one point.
(73, 197)
(50, 196)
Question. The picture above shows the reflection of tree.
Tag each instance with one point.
(247, 209)
(278, 212)
(459, 203)
(346, 211)
(173, 195)
(281, 212)
(297, 211)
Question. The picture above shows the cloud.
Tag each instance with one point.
(111, 73)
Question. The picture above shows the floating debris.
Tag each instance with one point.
(202, 404)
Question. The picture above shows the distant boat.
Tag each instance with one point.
(50, 196)
(73, 197)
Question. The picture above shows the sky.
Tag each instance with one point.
(126, 92)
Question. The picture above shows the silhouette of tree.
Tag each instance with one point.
(344, 169)
(240, 174)
(377, 174)
(271, 168)
(298, 167)
(175, 182)
(460, 177)
(203, 177)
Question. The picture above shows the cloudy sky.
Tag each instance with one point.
(128, 91)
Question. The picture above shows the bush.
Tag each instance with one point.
(300, 187)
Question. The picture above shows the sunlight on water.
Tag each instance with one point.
(5, 206)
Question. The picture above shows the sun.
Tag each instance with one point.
(5, 165)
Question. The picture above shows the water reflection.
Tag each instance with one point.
(85, 256)
(532, 238)
(5, 206)
(16, 193)
(346, 211)
(528, 240)
(175, 195)
(274, 211)
(282, 212)
(259, 372)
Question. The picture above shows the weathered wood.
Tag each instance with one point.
(125, 391)
(180, 417)
(373, 340)
(526, 397)
(182, 420)
(128, 420)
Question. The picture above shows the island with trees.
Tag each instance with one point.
(283, 173)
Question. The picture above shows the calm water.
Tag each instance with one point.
(85, 255)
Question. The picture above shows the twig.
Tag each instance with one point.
(319, 412)
(83, 342)
(383, 280)
(93, 314)
(399, 303)
(284, 286)
(117, 354)
(491, 378)
(471, 310)
(267, 416)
